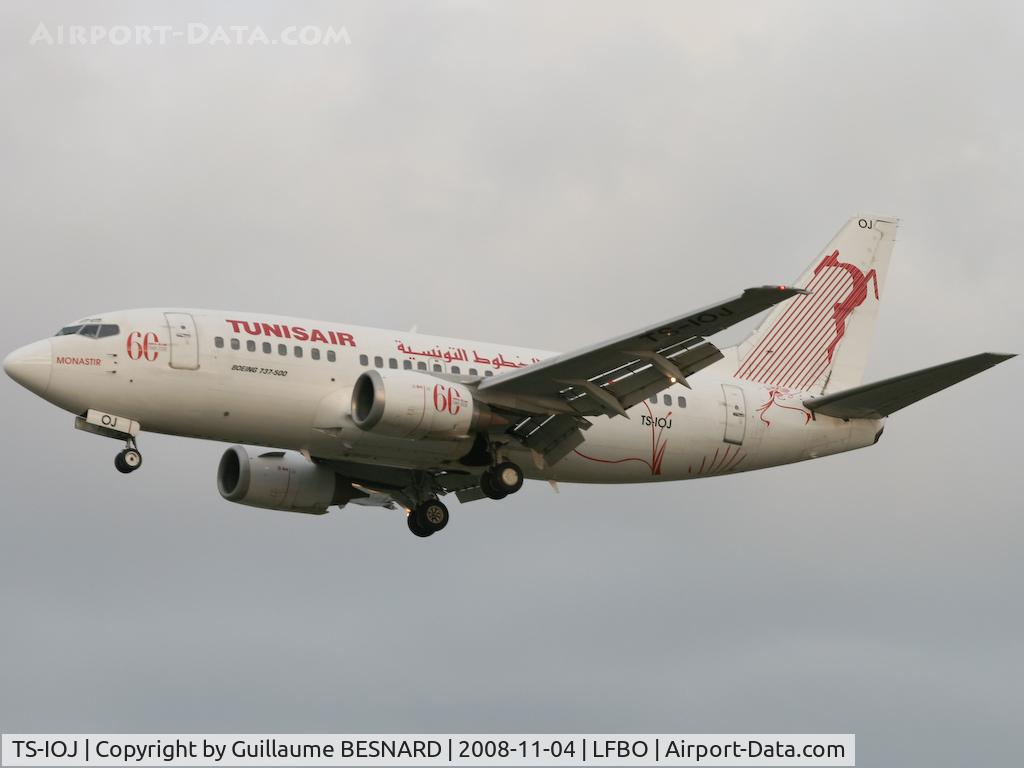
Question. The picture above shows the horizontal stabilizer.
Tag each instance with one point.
(878, 400)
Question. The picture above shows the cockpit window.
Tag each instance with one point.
(92, 330)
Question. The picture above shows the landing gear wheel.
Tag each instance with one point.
(132, 458)
(488, 487)
(412, 521)
(128, 460)
(507, 477)
(433, 516)
(428, 518)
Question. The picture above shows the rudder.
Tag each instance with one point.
(820, 342)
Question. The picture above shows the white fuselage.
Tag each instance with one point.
(287, 383)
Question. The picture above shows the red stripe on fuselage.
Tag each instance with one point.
(792, 313)
(777, 339)
(790, 344)
(807, 343)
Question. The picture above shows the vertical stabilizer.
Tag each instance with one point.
(819, 342)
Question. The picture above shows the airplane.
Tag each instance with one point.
(399, 420)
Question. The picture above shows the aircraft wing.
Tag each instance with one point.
(612, 376)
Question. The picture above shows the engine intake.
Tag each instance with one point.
(281, 480)
(417, 405)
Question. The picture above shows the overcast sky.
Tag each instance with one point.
(545, 175)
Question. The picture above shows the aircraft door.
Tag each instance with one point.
(184, 341)
(735, 414)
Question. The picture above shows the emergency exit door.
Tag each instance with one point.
(735, 414)
(184, 342)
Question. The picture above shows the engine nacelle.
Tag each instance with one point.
(281, 480)
(417, 405)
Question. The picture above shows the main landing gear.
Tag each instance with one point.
(501, 480)
(431, 516)
(428, 518)
(129, 459)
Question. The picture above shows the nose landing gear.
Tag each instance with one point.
(120, 428)
(129, 459)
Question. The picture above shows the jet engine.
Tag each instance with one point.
(417, 405)
(282, 480)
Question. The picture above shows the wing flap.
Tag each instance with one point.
(552, 437)
(878, 400)
(650, 379)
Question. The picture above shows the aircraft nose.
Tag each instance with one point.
(31, 366)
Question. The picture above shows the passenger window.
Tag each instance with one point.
(392, 363)
(282, 349)
(378, 362)
(218, 342)
(364, 360)
(250, 345)
(488, 373)
(681, 401)
(437, 368)
(108, 330)
(315, 353)
(456, 369)
(421, 365)
(266, 347)
(407, 365)
(331, 357)
(472, 372)
(667, 399)
(298, 351)
(234, 344)
(654, 399)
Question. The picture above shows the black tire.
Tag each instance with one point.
(120, 465)
(507, 477)
(413, 522)
(432, 516)
(488, 487)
